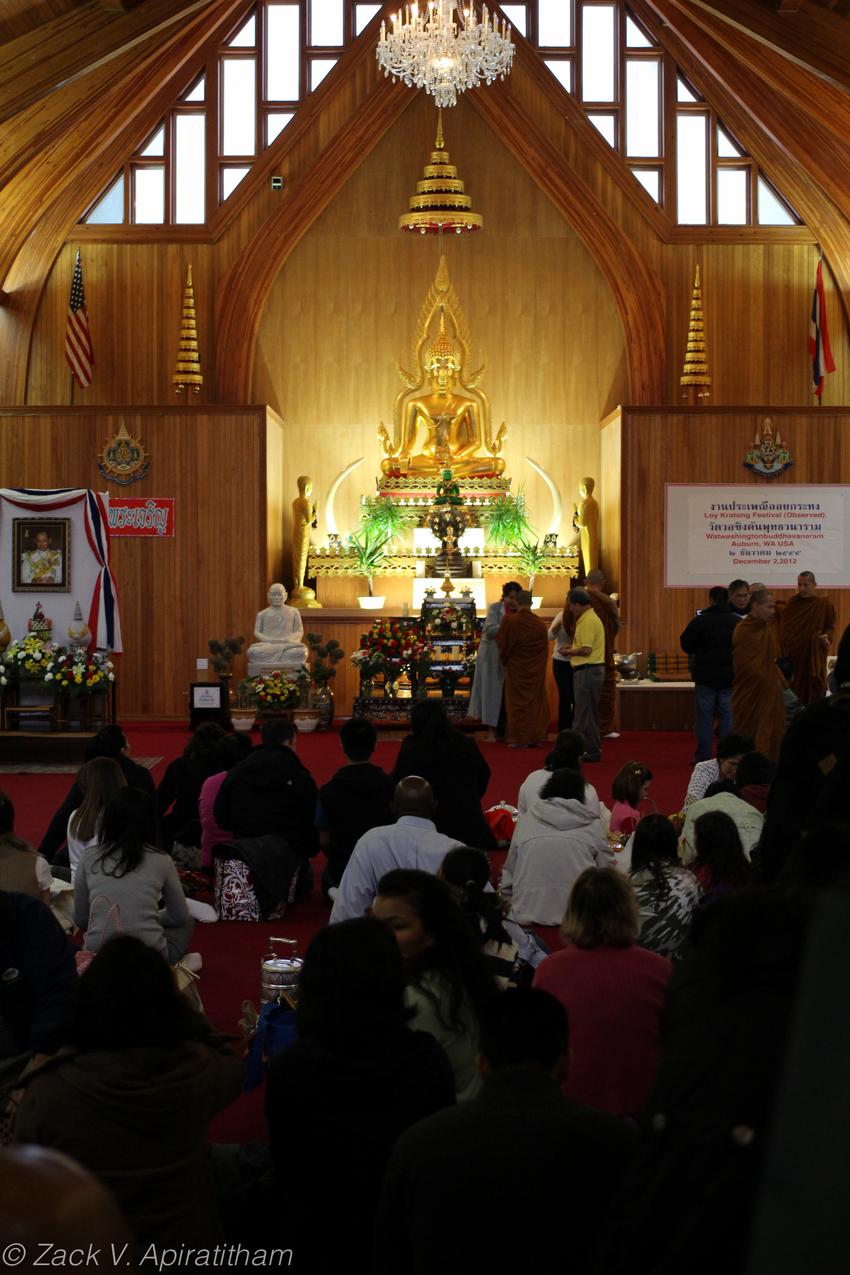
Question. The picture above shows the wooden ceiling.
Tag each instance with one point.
(82, 83)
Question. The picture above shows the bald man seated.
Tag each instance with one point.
(411, 842)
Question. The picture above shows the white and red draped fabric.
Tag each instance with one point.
(92, 582)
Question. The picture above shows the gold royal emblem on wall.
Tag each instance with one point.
(123, 459)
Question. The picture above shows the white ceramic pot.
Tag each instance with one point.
(371, 604)
(306, 722)
(242, 721)
(536, 603)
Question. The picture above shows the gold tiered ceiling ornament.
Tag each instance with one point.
(440, 203)
(188, 359)
(695, 377)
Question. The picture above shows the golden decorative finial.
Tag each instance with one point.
(188, 359)
(695, 370)
(440, 203)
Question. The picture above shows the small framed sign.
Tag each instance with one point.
(41, 555)
(207, 703)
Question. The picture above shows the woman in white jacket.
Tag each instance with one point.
(557, 837)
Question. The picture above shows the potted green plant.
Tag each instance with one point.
(382, 517)
(505, 520)
(531, 555)
(368, 547)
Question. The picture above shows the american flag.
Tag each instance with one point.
(819, 348)
(79, 354)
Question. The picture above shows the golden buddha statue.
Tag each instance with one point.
(442, 420)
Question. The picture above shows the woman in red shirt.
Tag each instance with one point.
(612, 991)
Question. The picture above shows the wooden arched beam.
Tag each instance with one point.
(765, 138)
(244, 290)
(637, 290)
(42, 225)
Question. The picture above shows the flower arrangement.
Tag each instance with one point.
(367, 663)
(386, 640)
(79, 672)
(26, 659)
(449, 621)
(273, 690)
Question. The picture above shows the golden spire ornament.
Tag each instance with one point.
(695, 377)
(440, 203)
(188, 359)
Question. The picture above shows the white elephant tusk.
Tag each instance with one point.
(330, 520)
(555, 521)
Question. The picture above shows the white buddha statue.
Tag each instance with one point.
(278, 631)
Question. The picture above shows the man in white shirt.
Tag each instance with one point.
(411, 842)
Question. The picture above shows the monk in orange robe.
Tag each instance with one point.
(758, 709)
(806, 626)
(609, 613)
(523, 640)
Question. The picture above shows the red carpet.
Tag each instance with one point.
(233, 951)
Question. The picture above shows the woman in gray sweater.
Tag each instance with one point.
(125, 885)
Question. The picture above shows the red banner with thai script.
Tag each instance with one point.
(141, 515)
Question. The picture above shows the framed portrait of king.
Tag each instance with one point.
(41, 555)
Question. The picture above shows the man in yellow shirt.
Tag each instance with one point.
(587, 656)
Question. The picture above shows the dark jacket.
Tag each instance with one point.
(708, 638)
(333, 1116)
(38, 977)
(177, 801)
(356, 799)
(271, 791)
(550, 1166)
(458, 774)
(138, 1119)
(137, 777)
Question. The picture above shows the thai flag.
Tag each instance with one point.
(819, 348)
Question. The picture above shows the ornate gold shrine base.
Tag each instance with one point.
(395, 713)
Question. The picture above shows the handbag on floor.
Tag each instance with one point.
(235, 896)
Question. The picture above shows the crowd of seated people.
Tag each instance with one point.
(462, 1092)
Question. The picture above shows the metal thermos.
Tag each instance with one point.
(279, 973)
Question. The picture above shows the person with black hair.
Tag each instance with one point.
(520, 1141)
(229, 751)
(707, 640)
(110, 741)
(271, 792)
(125, 884)
(744, 807)
(179, 790)
(454, 766)
(510, 952)
(356, 798)
(132, 1094)
(667, 894)
(553, 842)
(720, 863)
(567, 752)
(730, 750)
(356, 1077)
(448, 984)
(38, 978)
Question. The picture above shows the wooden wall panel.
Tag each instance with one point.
(757, 299)
(344, 309)
(609, 495)
(210, 580)
(705, 446)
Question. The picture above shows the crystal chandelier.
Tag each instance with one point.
(445, 49)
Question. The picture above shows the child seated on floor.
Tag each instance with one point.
(629, 789)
